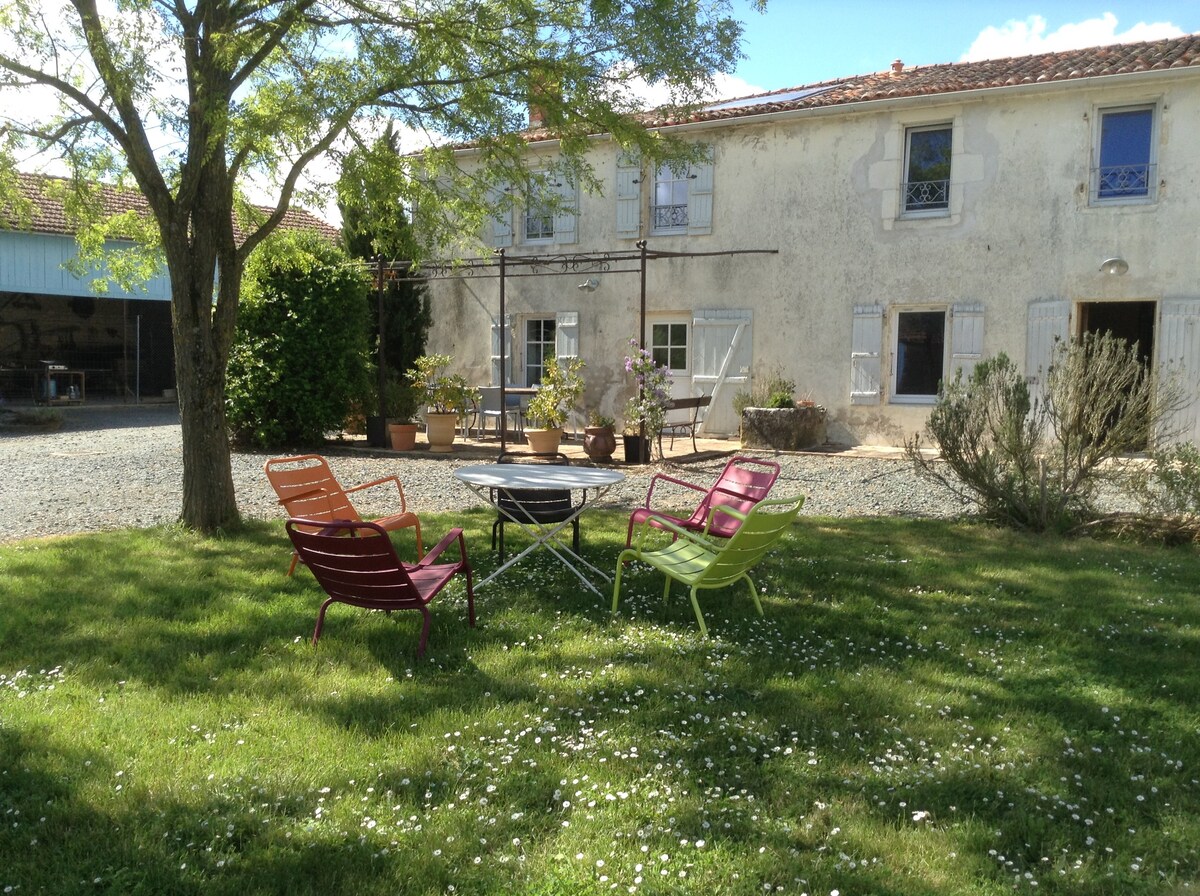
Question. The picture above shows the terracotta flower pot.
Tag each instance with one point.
(544, 441)
(599, 442)
(403, 436)
(440, 430)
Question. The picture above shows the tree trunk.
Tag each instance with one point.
(202, 259)
(209, 502)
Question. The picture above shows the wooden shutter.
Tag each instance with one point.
(508, 325)
(566, 334)
(502, 231)
(866, 347)
(700, 197)
(629, 195)
(966, 338)
(1179, 358)
(1048, 323)
(566, 219)
(722, 352)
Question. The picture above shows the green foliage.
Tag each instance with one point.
(769, 389)
(1038, 465)
(1167, 486)
(558, 393)
(300, 357)
(595, 418)
(374, 225)
(925, 707)
(441, 391)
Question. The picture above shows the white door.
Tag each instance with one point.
(722, 356)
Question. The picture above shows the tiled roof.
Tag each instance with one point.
(48, 216)
(934, 80)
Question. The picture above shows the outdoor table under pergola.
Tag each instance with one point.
(503, 266)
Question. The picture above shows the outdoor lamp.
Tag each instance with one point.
(1114, 265)
(590, 284)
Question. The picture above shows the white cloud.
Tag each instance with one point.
(1023, 38)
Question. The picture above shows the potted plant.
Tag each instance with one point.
(646, 411)
(557, 395)
(599, 437)
(773, 418)
(401, 402)
(446, 396)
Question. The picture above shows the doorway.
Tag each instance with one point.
(1130, 321)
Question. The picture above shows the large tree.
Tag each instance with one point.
(197, 100)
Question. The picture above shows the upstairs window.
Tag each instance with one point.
(539, 220)
(927, 170)
(669, 211)
(1125, 169)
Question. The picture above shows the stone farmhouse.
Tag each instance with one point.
(923, 217)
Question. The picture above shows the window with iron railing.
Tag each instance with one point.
(926, 186)
(669, 211)
(1125, 152)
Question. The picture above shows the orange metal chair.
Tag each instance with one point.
(365, 572)
(307, 488)
(743, 483)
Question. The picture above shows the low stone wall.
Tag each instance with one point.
(784, 429)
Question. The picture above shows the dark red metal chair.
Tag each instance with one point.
(743, 483)
(364, 571)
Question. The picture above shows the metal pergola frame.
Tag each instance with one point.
(501, 265)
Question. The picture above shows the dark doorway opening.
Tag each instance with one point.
(1131, 321)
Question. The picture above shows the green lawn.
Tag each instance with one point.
(926, 707)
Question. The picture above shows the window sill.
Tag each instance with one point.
(1122, 201)
(913, 399)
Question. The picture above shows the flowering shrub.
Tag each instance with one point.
(652, 392)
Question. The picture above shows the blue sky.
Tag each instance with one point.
(805, 41)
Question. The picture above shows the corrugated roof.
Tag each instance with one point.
(48, 216)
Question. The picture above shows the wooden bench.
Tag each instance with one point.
(695, 405)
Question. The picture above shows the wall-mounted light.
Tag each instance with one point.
(590, 284)
(1114, 265)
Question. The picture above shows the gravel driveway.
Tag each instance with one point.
(116, 467)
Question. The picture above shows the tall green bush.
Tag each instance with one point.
(1038, 464)
(299, 359)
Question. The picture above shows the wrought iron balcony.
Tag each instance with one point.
(1122, 181)
(926, 195)
(669, 217)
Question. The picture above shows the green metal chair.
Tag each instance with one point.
(700, 562)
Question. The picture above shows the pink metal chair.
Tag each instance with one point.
(743, 483)
(364, 571)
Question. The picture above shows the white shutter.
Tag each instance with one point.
(866, 347)
(722, 352)
(496, 381)
(629, 195)
(700, 196)
(1179, 357)
(566, 219)
(566, 334)
(966, 339)
(1048, 323)
(502, 231)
